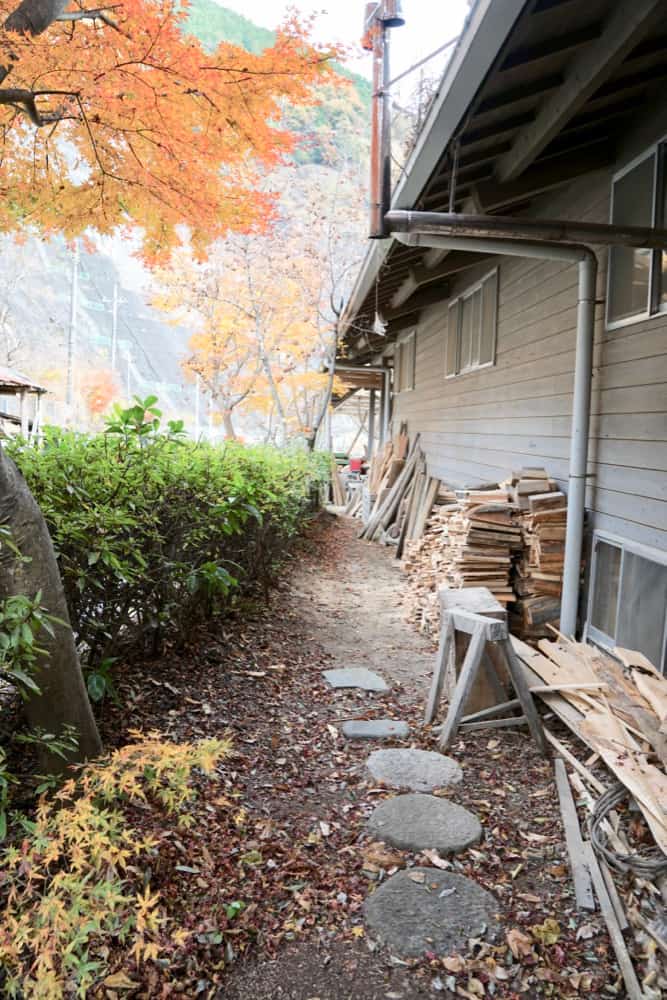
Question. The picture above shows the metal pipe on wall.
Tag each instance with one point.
(371, 424)
(583, 376)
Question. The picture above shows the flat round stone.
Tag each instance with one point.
(426, 909)
(375, 729)
(418, 770)
(416, 822)
(355, 677)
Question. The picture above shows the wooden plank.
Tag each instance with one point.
(425, 508)
(486, 713)
(634, 991)
(572, 760)
(526, 698)
(464, 684)
(465, 621)
(583, 886)
(613, 895)
(445, 650)
(515, 720)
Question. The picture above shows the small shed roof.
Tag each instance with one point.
(14, 382)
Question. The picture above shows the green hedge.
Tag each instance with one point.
(153, 531)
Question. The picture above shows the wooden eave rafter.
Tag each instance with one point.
(626, 26)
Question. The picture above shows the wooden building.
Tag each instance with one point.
(547, 110)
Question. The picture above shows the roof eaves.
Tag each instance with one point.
(485, 32)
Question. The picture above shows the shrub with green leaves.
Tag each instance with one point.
(154, 531)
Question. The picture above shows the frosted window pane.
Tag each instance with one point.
(641, 618)
(487, 350)
(476, 326)
(452, 340)
(630, 269)
(605, 596)
(466, 333)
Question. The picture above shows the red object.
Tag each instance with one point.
(355, 464)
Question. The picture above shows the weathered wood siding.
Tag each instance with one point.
(478, 426)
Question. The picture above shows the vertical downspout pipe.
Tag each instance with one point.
(581, 410)
(583, 377)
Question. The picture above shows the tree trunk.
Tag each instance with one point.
(63, 698)
(228, 424)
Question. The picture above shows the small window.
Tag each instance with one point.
(471, 328)
(638, 278)
(628, 599)
(404, 365)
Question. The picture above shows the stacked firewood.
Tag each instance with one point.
(538, 570)
(509, 539)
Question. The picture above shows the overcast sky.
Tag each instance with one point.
(429, 23)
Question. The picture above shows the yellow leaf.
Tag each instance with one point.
(119, 981)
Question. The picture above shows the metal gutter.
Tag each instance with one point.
(489, 25)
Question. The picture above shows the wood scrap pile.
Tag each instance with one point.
(509, 539)
(620, 712)
(617, 706)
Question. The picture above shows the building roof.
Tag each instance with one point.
(537, 93)
(12, 381)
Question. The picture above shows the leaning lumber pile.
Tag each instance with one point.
(400, 494)
(617, 706)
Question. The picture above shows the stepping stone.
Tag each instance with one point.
(355, 677)
(426, 909)
(375, 729)
(418, 770)
(415, 822)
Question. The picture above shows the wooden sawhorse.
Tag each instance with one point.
(482, 630)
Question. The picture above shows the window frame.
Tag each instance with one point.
(593, 634)
(454, 308)
(402, 353)
(659, 151)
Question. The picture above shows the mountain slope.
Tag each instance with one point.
(333, 130)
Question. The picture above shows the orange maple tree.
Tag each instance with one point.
(112, 115)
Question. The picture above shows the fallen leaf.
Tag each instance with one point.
(548, 932)
(455, 963)
(436, 860)
(418, 877)
(119, 981)
(492, 744)
(586, 931)
(357, 932)
(581, 981)
(520, 944)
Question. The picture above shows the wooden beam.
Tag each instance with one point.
(545, 176)
(624, 29)
(553, 45)
(505, 97)
(428, 297)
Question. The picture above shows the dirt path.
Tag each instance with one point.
(283, 832)
(353, 606)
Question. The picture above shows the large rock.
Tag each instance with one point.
(355, 677)
(425, 909)
(415, 822)
(375, 729)
(418, 770)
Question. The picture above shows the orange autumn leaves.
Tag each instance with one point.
(141, 126)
